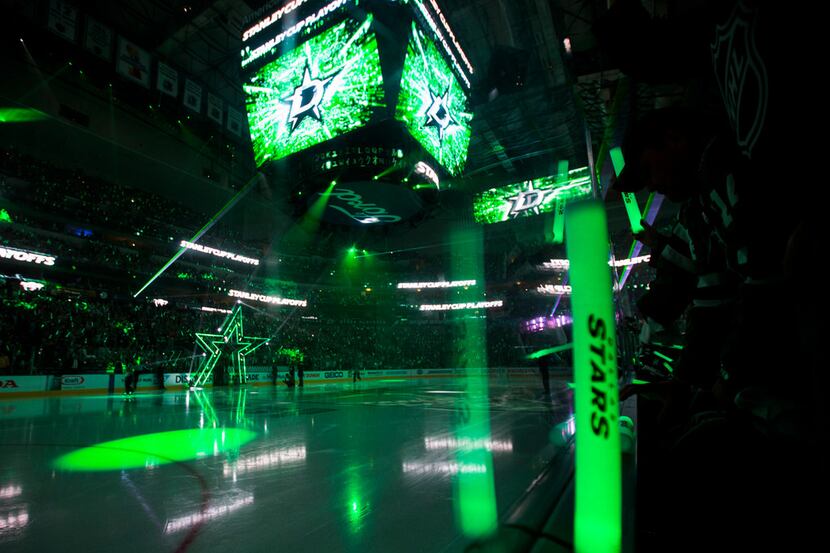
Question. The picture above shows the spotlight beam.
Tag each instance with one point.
(227, 207)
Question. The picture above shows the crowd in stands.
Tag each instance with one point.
(107, 245)
(59, 332)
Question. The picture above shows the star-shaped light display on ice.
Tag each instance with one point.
(232, 337)
(438, 113)
(305, 101)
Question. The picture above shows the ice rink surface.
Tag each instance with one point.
(369, 467)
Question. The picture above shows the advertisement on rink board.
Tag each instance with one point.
(12, 384)
(85, 382)
(144, 381)
(171, 380)
(256, 377)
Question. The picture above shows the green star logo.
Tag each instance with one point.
(232, 342)
(438, 113)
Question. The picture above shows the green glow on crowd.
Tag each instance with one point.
(232, 337)
(152, 450)
(475, 493)
(327, 86)
(531, 197)
(5, 217)
(21, 115)
(292, 354)
(432, 105)
(598, 509)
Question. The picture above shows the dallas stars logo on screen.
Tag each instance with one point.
(327, 86)
(528, 201)
(432, 105)
(438, 113)
(531, 197)
(305, 101)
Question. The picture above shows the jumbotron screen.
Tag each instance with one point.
(432, 105)
(326, 87)
(531, 197)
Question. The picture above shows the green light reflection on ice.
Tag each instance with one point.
(150, 450)
(474, 487)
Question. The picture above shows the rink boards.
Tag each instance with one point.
(84, 384)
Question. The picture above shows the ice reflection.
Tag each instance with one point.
(444, 467)
(468, 444)
(272, 458)
(7, 492)
(13, 520)
(187, 521)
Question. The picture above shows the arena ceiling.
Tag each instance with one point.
(529, 109)
(534, 102)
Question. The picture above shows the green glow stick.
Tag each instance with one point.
(672, 346)
(664, 357)
(598, 511)
(559, 222)
(633, 211)
(629, 199)
(548, 351)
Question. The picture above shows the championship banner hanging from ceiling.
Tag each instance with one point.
(167, 81)
(214, 107)
(133, 62)
(192, 96)
(236, 121)
(98, 39)
(63, 19)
